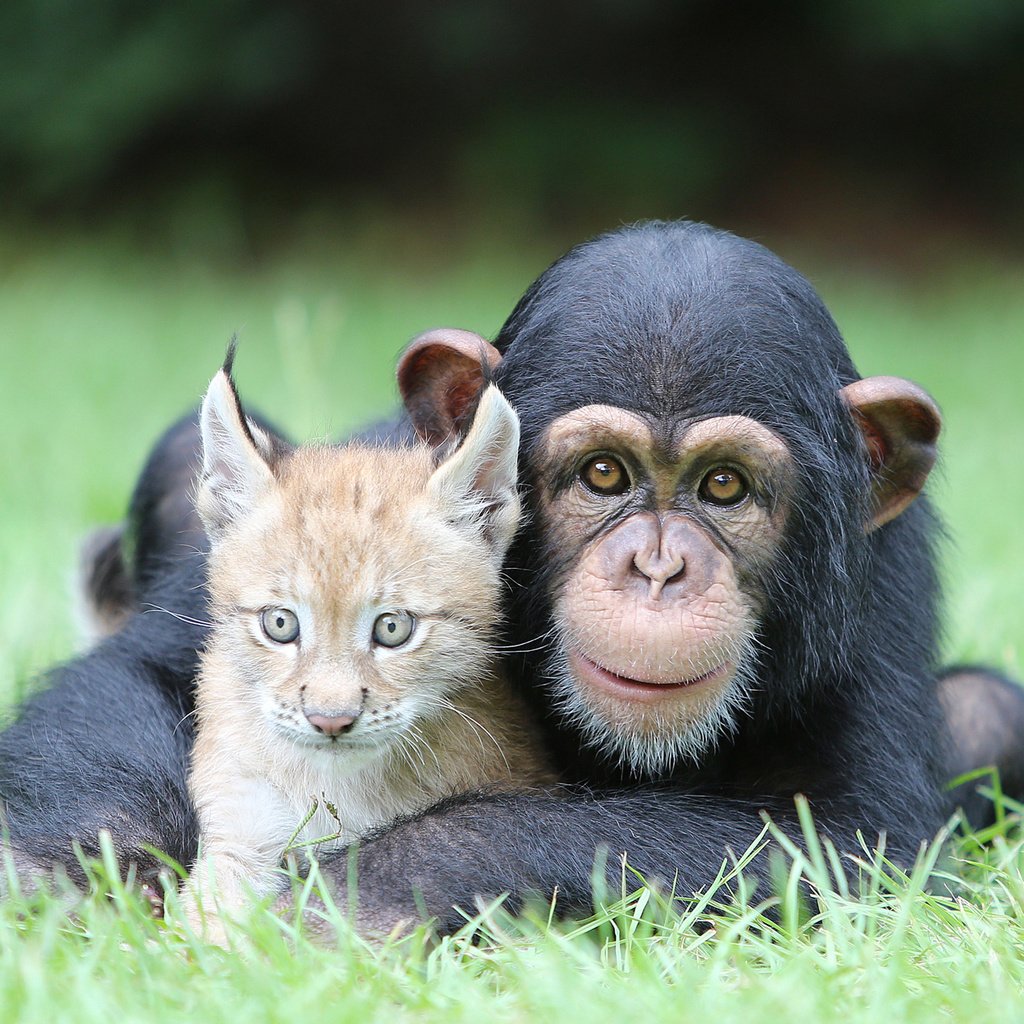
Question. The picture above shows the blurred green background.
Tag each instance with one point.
(330, 178)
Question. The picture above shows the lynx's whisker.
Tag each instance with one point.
(149, 607)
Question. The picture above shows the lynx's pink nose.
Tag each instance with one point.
(332, 724)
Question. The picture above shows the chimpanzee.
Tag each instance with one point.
(725, 596)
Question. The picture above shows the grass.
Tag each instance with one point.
(103, 344)
(895, 952)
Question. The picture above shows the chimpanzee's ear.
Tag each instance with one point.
(440, 375)
(900, 423)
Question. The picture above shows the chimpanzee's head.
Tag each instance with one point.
(708, 482)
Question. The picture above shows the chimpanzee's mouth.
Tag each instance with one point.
(595, 675)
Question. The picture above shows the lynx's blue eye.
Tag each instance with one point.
(280, 625)
(392, 629)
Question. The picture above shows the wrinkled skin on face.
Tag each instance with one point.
(659, 605)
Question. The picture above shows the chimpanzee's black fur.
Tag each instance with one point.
(675, 319)
(105, 743)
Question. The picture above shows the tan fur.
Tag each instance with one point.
(340, 536)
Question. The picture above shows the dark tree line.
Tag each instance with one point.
(560, 103)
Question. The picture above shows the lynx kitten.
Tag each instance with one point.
(355, 594)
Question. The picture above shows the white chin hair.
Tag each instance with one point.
(659, 750)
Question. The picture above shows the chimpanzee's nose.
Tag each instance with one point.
(332, 723)
(651, 557)
(661, 554)
(660, 566)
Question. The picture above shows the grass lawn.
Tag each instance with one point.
(101, 347)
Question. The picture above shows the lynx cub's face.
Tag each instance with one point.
(354, 590)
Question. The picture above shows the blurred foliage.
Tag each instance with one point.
(84, 84)
(553, 106)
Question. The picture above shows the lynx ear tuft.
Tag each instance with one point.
(237, 456)
(478, 481)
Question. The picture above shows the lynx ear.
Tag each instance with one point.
(237, 457)
(900, 423)
(478, 481)
(440, 374)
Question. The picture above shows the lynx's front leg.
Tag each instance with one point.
(244, 825)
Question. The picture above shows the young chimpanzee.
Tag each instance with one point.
(726, 595)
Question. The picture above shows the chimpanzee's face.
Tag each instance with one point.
(663, 534)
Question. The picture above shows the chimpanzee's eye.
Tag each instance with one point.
(280, 624)
(392, 629)
(605, 475)
(723, 486)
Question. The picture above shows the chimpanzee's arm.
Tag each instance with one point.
(529, 843)
(105, 744)
(856, 766)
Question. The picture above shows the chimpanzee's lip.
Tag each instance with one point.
(590, 672)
